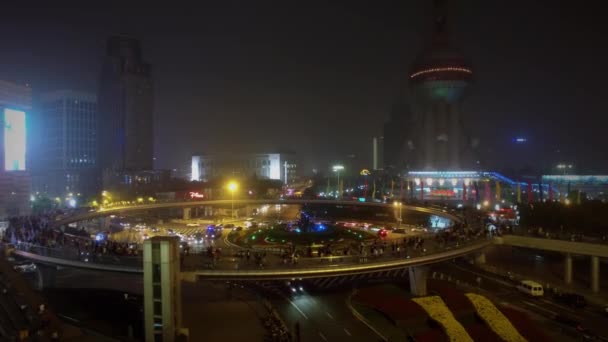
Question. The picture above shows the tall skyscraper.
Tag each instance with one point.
(395, 131)
(439, 80)
(67, 153)
(15, 103)
(125, 109)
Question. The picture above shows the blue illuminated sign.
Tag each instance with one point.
(14, 140)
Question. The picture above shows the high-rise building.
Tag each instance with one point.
(279, 166)
(394, 149)
(125, 109)
(377, 153)
(66, 159)
(15, 103)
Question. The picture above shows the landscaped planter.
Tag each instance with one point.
(499, 324)
(522, 323)
(440, 313)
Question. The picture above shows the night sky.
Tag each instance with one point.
(319, 78)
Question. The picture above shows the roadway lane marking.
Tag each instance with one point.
(297, 308)
(557, 305)
(539, 307)
(329, 315)
(347, 332)
(322, 336)
(361, 318)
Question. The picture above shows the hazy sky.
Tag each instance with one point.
(319, 78)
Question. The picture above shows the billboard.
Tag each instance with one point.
(14, 140)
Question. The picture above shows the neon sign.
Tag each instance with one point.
(196, 195)
(443, 193)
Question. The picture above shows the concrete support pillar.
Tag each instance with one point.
(187, 213)
(568, 269)
(104, 223)
(595, 274)
(480, 258)
(46, 276)
(418, 277)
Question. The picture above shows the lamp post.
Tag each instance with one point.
(337, 169)
(398, 205)
(232, 186)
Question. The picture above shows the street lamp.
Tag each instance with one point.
(232, 186)
(399, 205)
(337, 169)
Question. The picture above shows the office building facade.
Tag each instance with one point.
(15, 182)
(126, 104)
(278, 166)
(67, 160)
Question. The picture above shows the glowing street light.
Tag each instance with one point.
(337, 169)
(140, 200)
(232, 186)
(399, 205)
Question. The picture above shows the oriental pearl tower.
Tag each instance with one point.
(439, 81)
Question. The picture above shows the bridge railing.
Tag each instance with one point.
(235, 259)
(72, 254)
(563, 236)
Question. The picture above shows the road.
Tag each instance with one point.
(322, 317)
(502, 291)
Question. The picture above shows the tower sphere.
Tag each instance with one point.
(440, 72)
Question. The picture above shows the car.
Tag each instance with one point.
(531, 288)
(238, 229)
(571, 299)
(229, 225)
(25, 268)
(294, 287)
(197, 238)
(584, 333)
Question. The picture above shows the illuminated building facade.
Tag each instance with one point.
(67, 153)
(476, 187)
(279, 166)
(593, 186)
(15, 103)
(125, 108)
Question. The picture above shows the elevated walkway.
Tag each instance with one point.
(562, 246)
(189, 204)
(193, 268)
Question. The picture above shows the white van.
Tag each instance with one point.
(531, 288)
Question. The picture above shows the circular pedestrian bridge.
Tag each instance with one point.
(240, 263)
(192, 204)
(233, 266)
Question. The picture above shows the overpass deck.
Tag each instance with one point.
(232, 267)
(553, 245)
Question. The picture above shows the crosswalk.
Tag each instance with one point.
(330, 282)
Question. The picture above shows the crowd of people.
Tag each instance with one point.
(37, 231)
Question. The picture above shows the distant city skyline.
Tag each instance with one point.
(320, 79)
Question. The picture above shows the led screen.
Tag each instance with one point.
(14, 140)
